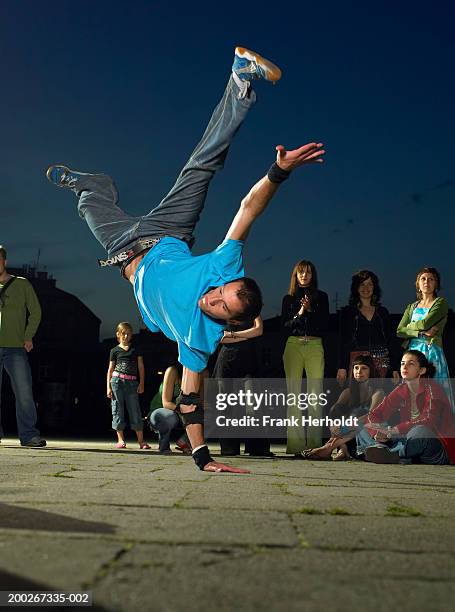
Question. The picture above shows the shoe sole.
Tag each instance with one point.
(272, 72)
(49, 173)
(379, 454)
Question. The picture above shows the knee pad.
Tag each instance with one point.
(190, 418)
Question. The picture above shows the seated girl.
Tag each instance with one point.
(424, 429)
(363, 394)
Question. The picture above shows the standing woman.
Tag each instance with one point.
(423, 323)
(305, 318)
(364, 328)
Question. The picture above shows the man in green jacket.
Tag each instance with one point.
(17, 298)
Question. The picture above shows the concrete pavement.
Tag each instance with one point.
(144, 531)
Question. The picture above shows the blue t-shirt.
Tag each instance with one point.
(168, 285)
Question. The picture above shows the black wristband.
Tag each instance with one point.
(277, 174)
(202, 457)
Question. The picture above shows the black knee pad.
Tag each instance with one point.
(190, 418)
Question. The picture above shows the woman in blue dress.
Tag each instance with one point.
(423, 323)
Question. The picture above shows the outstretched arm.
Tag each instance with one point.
(260, 194)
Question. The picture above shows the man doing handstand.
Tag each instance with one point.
(190, 299)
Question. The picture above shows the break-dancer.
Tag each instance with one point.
(190, 299)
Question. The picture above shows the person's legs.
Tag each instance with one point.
(314, 367)
(98, 198)
(118, 410)
(111, 226)
(293, 366)
(164, 421)
(133, 408)
(1, 377)
(424, 446)
(179, 211)
(17, 366)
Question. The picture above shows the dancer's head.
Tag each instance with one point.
(124, 332)
(415, 365)
(237, 301)
(365, 285)
(428, 282)
(303, 274)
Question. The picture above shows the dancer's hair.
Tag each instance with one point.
(435, 273)
(423, 362)
(357, 279)
(251, 298)
(2, 251)
(312, 288)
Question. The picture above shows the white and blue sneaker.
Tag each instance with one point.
(249, 65)
(62, 176)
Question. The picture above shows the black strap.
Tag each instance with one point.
(4, 288)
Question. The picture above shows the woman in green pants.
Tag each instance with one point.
(304, 317)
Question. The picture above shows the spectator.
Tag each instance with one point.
(163, 418)
(424, 430)
(362, 395)
(423, 323)
(238, 359)
(17, 300)
(126, 365)
(364, 328)
(304, 317)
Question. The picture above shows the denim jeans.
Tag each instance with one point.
(178, 213)
(124, 392)
(419, 444)
(163, 421)
(15, 362)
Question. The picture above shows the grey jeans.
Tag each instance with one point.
(177, 214)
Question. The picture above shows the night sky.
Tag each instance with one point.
(126, 88)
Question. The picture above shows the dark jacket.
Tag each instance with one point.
(356, 333)
(312, 323)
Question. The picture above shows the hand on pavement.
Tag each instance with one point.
(214, 466)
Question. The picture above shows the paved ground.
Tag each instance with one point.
(142, 531)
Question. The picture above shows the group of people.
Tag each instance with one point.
(366, 351)
(192, 299)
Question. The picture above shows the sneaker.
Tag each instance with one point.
(381, 454)
(62, 176)
(35, 442)
(249, 65)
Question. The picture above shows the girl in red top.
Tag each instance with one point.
(424, 429)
